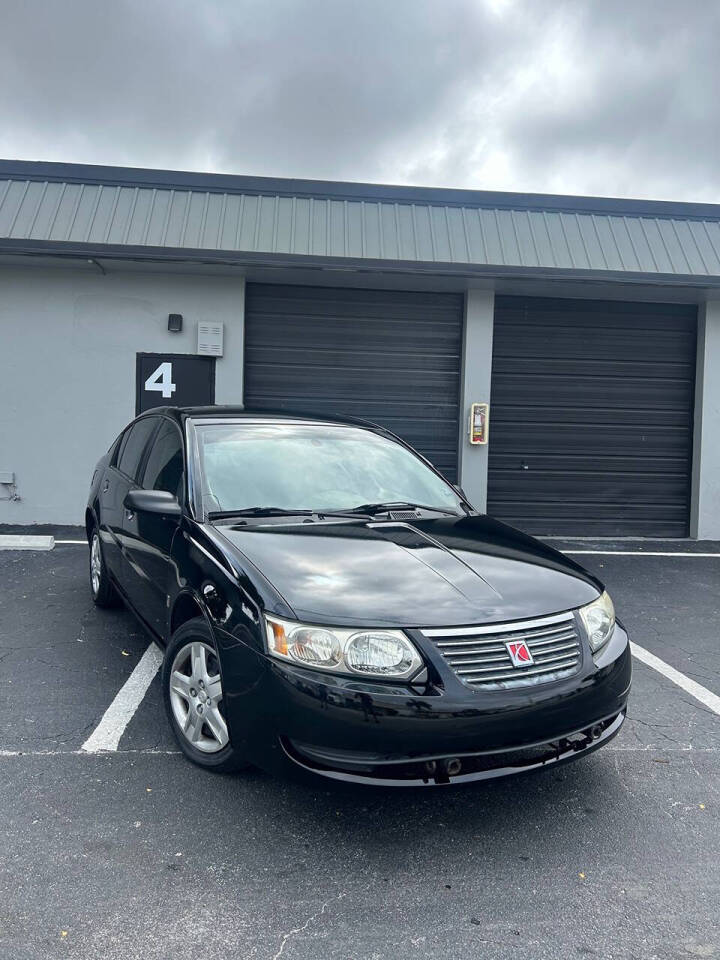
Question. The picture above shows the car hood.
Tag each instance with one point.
(448, 571)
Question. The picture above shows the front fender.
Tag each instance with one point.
(232, 608)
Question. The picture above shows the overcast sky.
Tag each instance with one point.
(606, 97)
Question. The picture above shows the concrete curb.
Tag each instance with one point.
(25, 542)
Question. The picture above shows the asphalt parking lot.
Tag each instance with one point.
(136, 853)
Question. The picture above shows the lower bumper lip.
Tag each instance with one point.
(391, 772)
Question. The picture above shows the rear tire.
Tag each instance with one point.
(193, 696)
(101, 588)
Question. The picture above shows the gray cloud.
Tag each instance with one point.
(542, 95)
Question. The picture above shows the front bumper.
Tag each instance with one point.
(441, 770)
(291, 719)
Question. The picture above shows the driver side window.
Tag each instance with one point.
(164, 468)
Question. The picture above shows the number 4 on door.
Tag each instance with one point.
(160, 380)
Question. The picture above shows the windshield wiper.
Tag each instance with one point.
(364, 509)
(373, 508)
(258, 512)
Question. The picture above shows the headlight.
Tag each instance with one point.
(372, 653)
(315, 647)
(382, 653)
(599, 620)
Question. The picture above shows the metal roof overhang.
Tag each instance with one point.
(254, 224)
(247, 261)
(151, 178)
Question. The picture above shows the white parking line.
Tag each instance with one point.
(601, 553)
(106, 736)
(110, 754)
(705, 696)
(640, 553)
(143, 752)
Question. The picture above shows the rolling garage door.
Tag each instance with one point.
(591, 417)
(391, 357)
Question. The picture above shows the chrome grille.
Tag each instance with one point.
(478, 655)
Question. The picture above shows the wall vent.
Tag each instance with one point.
(210, 339)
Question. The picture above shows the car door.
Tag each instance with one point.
(148, 536)
(108, 508)
(119, 478)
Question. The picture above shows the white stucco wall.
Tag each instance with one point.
(68, 340)
(705, 510)
(476, 377)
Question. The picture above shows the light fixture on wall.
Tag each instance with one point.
(175, 322)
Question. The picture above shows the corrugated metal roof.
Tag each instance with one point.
(97, 216)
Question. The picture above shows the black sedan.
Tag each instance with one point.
(330, 605)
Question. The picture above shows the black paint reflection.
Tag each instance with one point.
(431, 573)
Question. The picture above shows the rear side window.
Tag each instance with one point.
(133, 445)
(114, 450)
(164, 467)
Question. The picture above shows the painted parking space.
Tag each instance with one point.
(135, 852)
(62, 661)
(87, 679)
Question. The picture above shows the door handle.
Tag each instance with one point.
(106, 486)
(129, 514)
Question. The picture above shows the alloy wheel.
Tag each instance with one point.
(95, 564)
(196, 697)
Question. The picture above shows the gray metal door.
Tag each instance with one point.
(591, 416)
(388, 356)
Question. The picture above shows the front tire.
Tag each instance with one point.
(193, 695)
(101, 588)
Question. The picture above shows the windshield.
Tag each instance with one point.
(302, 466)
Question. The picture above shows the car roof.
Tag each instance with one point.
(221, 412)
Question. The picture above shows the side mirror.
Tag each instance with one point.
(153, 501)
